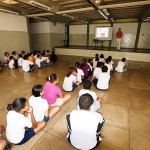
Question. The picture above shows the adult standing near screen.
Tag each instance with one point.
(119, 35)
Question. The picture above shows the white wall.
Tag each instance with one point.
(10, 22)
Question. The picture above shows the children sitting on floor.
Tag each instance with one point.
(39, 61)
(84, 127)
(103, 79)
(80, 73)
(101, 58)
(97, 71)
(112, 63)
(11, 64)
(20, 60)
(70, 80)
(6, 57)
(27, 66)
(85, 67)
(53, 56)
(41, 110)
(14, 54)
(17, 123)
(120, 66)
(109, 66)
(95, 62)
(96, 56)
(90, 63)
(53, 93)
(87, 89)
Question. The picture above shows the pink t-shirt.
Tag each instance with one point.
(51, 92)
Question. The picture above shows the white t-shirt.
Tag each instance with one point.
(26, 65)
(45, 58)
(90, 66)
(15, 56)
(103, 81)
(35, 57)
(20, 60)
(80, 73)
(102, 60)
(6, 58)
(109, 67)
(84, 126)
(97, 72)
(68, 82)
(39, 106)
(120, 66)
(11, 63)
(16, 124)
(38, 62)
(84, 91)
(95, 64)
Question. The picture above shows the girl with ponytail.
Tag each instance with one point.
(17, 122)
(70, 81)
(53, 94)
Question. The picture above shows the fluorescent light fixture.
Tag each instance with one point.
(9, 11)
(68, 16)
(112, 19)
(84, 21)
(39, 5)
(97, 1)
(102, 14)
(106, 12)
(9, 2)
(41, 18)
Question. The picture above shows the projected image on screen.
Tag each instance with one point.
(102, 32)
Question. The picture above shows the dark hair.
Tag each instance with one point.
(100, 64)
(96, 59)
(52, 78)
(17, 105)
(38, 56)
(87, 84)
(123, 59)
(110, 57)
(47, 50)
(11, 57)
(5, 53)
(108, 60)
(84, 61)
(36, 90)
(20, 55)
(71, 70)
(28, 54)
(91, 62)
(101, 56)
(23, 52)
(104, 69)
(13, 52)
(96, 56)
(77, 65)
(85, 101)
(25, 57)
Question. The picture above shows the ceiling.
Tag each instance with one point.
(66, 11)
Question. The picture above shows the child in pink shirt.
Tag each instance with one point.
(53, 93)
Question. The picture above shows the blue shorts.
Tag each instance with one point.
(74, 86)
(46, 119)
(28, 135)
(96, 105)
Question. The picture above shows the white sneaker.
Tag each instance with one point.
(100, 139)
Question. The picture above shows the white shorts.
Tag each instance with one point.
(59, 102)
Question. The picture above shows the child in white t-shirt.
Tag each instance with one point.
(39, 61)
(41, 110)
(11, 64)
(14, 54)
(27, 66)
(20, 60)
(112, 63)
(70, 81)
(101, 58)
(97, 71)
(109, 66)
(90, 63)
(87, 89)
(84, 126)
(103, 79)
(95, 62)
(96, 56)
(120, 66)
(6, 57)
(17, 123)
(80, 73)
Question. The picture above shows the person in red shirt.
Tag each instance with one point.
(119, 35)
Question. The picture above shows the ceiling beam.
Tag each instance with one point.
(144, 13)
(91, 8)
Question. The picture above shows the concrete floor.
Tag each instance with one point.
(126, 106)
